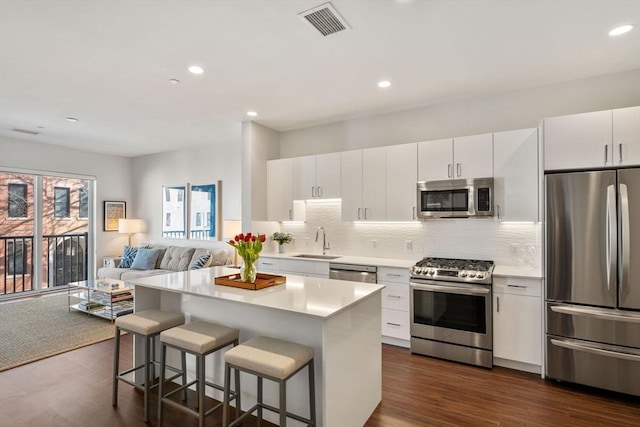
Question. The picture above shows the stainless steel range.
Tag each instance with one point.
(451, 310)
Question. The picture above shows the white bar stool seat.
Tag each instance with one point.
(199, 339)
(147, 324)
(276, 360)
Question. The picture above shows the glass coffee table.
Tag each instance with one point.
(106, 298)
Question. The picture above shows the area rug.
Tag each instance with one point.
(42, 326)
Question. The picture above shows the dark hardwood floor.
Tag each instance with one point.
(74, 389)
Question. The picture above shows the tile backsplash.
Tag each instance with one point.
(512, 244)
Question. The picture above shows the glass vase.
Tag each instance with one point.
(248, 272)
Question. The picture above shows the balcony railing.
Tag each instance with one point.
(64, 259)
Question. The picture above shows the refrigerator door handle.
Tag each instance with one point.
(626, 244)
(612, 238)
(630, 317)
(573, 345)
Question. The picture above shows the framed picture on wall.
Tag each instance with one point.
(113, 211)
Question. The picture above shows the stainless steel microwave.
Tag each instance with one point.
(458, 198)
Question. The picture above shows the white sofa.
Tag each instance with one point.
(170, 259)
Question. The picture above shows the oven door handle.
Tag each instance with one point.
(462, 290)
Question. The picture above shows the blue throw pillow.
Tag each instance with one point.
(202, 261)
(128, 255)
(145, 259)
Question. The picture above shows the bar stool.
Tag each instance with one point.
(275, 360)
(147, 324)
(200, 339)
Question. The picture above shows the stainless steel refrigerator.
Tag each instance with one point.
(593, 278)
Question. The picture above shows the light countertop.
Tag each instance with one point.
(311, 296)
(500, 270)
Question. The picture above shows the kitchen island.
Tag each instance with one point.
(341, 320)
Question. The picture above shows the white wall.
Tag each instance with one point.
(195, 165)
(113, 176)
(494, 113)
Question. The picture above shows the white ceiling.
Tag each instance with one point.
(109, 62)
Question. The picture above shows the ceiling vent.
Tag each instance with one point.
(28, 132)
(325, 18)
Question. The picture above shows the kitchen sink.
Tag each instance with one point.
(316, 256)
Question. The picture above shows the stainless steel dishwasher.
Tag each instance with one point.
(354, 272)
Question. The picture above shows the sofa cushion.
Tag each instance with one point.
(128, 255)
(161, 250)
(111, 272)
(177, 258)
(220, 257)
(201, 258)
(145, 259)
(130, 274)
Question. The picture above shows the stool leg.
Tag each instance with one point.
(116, 366)
(259, 414)
(183, 356)
(163, 358)
(201, 388)
(237, 381)
(283, 403)
(227, 392)
(312, 394)
(147, 376)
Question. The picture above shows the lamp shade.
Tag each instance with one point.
(231, 228)
(129, 226)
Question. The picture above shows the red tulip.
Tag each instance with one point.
(249, 234)
(239, 237)
(231, 242)
(263, 237)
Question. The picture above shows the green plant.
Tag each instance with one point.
(282, 238)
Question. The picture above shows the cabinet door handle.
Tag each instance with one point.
(359, 209)
(365, 212)
(450, 170)
(313, 192)
(267, 263)
(393, 324)
(517, 286)
(606, 153)
(394, 296)
(319, 192)
(459, 169)
(290, 214)
(498, 304)
(498, 208)
(414, 212)
(394, 274)
(620, 152)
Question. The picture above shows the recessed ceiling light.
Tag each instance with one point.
(174, 81)
(620, 30)
(196, 70)
(252, 113)
(384, 83)
(72, 119)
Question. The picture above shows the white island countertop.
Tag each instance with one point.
(311, 296)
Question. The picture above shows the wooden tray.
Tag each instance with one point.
(262, 281)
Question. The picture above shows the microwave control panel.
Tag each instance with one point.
(484, 199)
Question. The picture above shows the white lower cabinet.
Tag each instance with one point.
(517, 323)
(395, 305)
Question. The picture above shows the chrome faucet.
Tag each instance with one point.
(325, 244)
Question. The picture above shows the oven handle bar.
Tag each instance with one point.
(572, 345)
(462, 290)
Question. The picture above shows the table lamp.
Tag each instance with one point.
(130, 226)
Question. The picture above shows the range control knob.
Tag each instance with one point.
(471, 274)
(463, 274)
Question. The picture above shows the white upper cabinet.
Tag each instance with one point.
(280, 203)
(626, 136)
(515, 160)
(374, 185)
(596, 139)
(316, 177)
(363, 184)
(457, 158)
(435, 160)
(401, 178)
